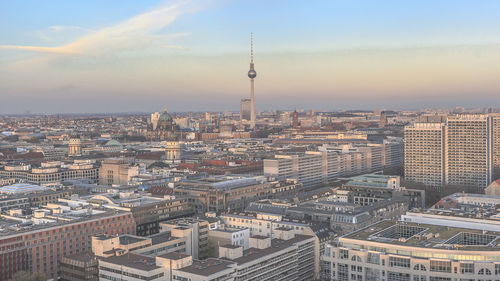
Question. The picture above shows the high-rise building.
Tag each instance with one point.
(295, 119)
(252, 74)
(469, 151)
(467, 146)
(383, 119)
(424, 153)
(245, 109)
(496, 147)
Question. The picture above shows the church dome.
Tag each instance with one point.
(165, 117)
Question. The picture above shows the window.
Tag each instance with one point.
(484, 271)
(356, 258)
(373, 258)
(467, 268)
(399, 262)
(419, 267)
(440, 266)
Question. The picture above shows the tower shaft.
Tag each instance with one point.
(252, 104)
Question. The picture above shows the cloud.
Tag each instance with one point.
(136, 32)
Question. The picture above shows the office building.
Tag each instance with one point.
(314, 168)
(245, 109)
(36, 243)
(117, 171)
(289, 258)
(395, 251)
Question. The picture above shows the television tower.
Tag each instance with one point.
(251, 75)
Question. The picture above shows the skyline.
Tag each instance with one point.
(142, 56)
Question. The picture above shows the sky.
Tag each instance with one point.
(62, 56)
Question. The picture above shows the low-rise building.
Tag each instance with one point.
(395, 251)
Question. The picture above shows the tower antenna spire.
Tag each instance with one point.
(251, 47)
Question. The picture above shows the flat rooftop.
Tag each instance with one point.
(427, 236)
(129, 239)
(132, 260)
(276, 246)
(207, 267)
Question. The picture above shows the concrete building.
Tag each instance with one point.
(245, 109)
(195, 231)
(36, 243)
(79, 267)
(424, 153)
(228, 236)
(117, 171)
(51, 173)
(469, 151)
(147, 211)
(230, 193)
(496, 146)
(314, 168)
(290, 258)
(395, 251)
(461, 152)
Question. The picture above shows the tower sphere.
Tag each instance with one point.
(252, 73)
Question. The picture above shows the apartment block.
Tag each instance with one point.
(424, 151)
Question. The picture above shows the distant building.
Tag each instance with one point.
(164, 127)
(172, 150)
(295, 119)
(117, 171)
(383, 119)
(74, 145)
(245, 109)
(330, 162)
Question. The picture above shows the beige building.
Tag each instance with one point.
(194, 230)
(401, 251)
(231, 193)
(290, 258)
(117, 171)
(424, 150)
(227, 236)
(469, 151)
(172, 151)
(74, 145)
(496, 147)
(467, 146)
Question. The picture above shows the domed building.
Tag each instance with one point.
(162, 127)
(74, 145)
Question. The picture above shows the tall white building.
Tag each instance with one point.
(424, 150)
(469, 150)
(464, 151)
